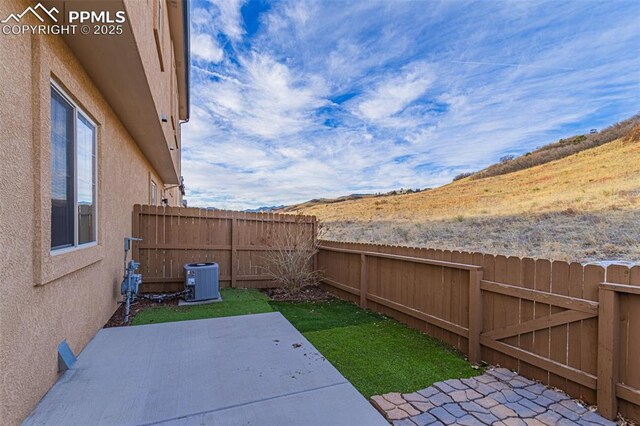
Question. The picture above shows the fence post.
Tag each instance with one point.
(234, 251)
(475, 316)
(363, 280)
(135, 231)
(608, 346)
(314, 223)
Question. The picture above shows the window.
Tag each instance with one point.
(153, 195)
(73, 174)
(159, 18)
(158, 30)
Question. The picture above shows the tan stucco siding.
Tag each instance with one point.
(47, 298)
(142, 15)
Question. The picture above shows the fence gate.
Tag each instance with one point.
(554, 312)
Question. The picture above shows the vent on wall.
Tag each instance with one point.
(66, 358)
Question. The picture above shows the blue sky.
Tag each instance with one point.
(299, 100)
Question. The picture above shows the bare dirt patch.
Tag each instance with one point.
(306, 294)
(117, 319)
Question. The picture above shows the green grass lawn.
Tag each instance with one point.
(234, 302)
(375, 353)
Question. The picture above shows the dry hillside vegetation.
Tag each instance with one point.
(610, 236)
(561, 149)
(581, 207)
(602, 178)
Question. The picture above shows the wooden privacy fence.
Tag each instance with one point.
(237, 241)
(572, 326)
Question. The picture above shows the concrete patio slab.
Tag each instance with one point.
(251, 369)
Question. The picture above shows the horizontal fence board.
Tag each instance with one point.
(628, 393)
(340, 286)
(564, 317)
(621, 288)
(454, 328)
(553, 366)
(539, 296)
(405, 258)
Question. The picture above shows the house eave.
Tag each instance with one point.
(115, 66)
(179, 19)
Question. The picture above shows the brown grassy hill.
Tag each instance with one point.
(584, 207)
(561, 149)
(319, 201)
(602, 178)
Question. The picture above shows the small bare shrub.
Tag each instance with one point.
(290, 263)
(402, 233)
(462, 176)
(634, 134)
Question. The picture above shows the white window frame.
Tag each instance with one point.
(160, 20)
(153, 193)
(158, 30)
(77, 110)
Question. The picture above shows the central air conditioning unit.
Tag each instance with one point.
(202, 280)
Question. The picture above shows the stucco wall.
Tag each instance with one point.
(142, 15)
(46, 298)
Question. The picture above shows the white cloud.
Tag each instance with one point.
(228, 19)
(396, 93)
(299, 13)
(263, 98)
(204, 46)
